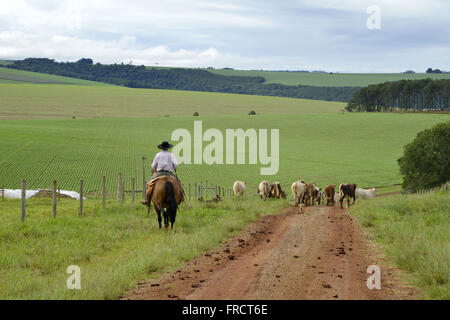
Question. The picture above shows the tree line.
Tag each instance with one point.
(179, 79)
(410, 95)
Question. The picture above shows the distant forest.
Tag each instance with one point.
(410, 95)
(179, 79)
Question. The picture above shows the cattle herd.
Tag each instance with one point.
(308, 194)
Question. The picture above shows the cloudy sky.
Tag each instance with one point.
(247, 34)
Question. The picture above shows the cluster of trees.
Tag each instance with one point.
(418, 95)
(425, 163)
(430, 70)
(178, 78)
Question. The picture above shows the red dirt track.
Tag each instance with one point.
(322, 254)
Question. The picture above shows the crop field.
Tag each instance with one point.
(360, 148)
(327, 79)
(31, 101)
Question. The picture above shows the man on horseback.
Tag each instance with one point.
(164, 164)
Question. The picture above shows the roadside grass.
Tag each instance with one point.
(414, 231)
(115, 248)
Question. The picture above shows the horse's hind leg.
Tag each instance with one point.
(159, 216)
(166, 218)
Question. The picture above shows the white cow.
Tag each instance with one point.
(239, 188)
(298, 190)
(264, 189)
(366, 193)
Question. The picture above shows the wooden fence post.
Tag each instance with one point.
(132, 189)
(123, 192)
(54, 198)
(23, 194)
(195, 191)
(103, 192)
(119, 188)
(199, 190)
(189, 192)
(200, 194)
(81, 197)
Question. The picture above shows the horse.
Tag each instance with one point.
(166, 193)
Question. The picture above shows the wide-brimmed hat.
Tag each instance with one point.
(165, 145)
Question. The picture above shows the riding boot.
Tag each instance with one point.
(148, 197)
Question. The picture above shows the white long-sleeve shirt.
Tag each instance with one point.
(164, 160)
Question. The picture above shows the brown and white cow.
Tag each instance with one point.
(347, 191)
(328, 194)
(310, 191)
(275, 190)
(264, 189)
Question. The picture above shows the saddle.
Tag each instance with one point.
(151, 186)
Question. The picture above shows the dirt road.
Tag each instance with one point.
(322, 254)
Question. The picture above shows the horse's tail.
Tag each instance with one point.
(171, 203)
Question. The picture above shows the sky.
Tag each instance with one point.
(336, 36)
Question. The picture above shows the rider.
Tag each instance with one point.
(164, 163)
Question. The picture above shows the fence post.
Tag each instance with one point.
(81, 197)
(23, 194)
(216, 190)
(189, 192)
(54, 198)
(104, 192)
(144, 193)
(200, 193)
(119, 188)
(123, 192)
(206, 190)
(199, 189)
(195, 191)
(132, 190)
(220, 193)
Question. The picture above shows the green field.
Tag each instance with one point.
(414, 232)
(19, 77)
(29, 101)
(324, 148)
(115, 248)
(328, 80)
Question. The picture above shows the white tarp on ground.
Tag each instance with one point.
(16, 193)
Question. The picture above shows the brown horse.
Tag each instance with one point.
(166, 193)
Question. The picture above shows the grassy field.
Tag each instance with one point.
(325, 148)
(414, 231)
(20, 77)
(32, 101)
(115, 248)
(328, 80)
